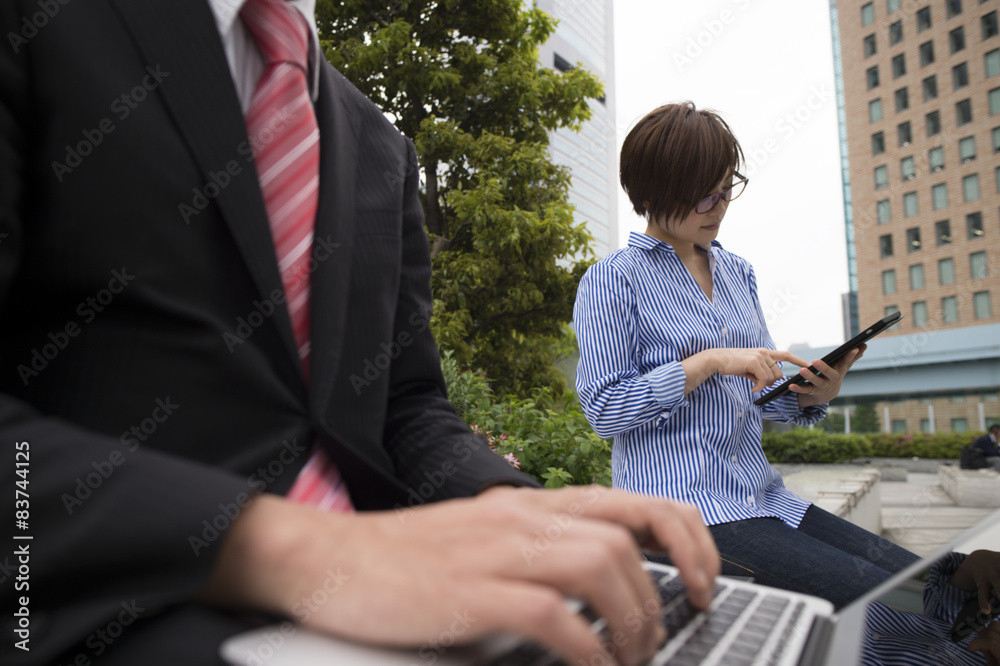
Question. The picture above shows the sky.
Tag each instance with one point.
(768, 70)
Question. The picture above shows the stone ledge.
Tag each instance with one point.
(971, 487)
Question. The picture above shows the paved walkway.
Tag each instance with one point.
(916, 514)
(919, 516)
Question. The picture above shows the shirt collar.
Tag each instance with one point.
(227, 11)
(647, 242)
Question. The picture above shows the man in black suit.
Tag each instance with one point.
(988, 445)
(156, 410)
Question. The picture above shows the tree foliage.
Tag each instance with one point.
(463, 81)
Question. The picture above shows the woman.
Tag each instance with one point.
(673, 351)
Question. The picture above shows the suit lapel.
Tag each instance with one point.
(334, 244)
(181, 37)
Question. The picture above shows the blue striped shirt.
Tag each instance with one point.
(638, 314)
(900, 638)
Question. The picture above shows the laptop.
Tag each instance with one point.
(746, 625)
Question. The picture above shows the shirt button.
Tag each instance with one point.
(734, 458)
(724, 330)
(749, 499)
(739, 415)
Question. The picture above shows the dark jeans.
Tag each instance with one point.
(826, 556)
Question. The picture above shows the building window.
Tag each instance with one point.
(889, 309)
(878, 143)
(891, 6)
(949, 309)
(981, 306)
(925, 425)
(926, 53)
(875, 110)
(960, 75)
(939, 196)
(910, 204)
(930, 88)
(963, 111)
(917, 276)
(994, 101)
(974, 225)
(933, 121)
(885, 246)
(989, 24)
(923, 19)
(996, 139)
(907, 169)
(898, 426)
(871, 75)
(868, 14)
(967, 149)
(898, 65)
(954, 7)
(905, 135)
(920, 313)
(869, 45)
(992, 62)
(946, 271)
(977, 266)
(895, 33)
(881, 177)
(889, 282)
(884, 210)
(970, 187)
(902, 100)
(913, 239)
(959, 424)
(935, 158)
(996, 174)
(956, 39)
(942, 231)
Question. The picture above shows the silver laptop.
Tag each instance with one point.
(746, 625)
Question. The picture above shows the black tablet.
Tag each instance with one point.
(834, 356)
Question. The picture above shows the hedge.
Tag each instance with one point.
(803, 445)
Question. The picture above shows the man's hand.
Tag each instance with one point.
(980, 573)
(988, 642)
(502, 562)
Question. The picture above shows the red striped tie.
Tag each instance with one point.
(284, 135)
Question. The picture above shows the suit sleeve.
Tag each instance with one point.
(434, 452)
(102, 528)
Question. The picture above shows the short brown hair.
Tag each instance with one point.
(675, 156)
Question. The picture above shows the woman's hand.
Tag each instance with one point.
(758, 365)
(825, 387)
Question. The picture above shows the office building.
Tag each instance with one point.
(919, 95)
(585, 36)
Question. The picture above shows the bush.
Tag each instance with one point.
(803, 445)
(547, 433)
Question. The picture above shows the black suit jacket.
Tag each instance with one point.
(146, 355)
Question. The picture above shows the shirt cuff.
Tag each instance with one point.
(667, 384)
(786, 410)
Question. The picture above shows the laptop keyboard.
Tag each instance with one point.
(745, 627)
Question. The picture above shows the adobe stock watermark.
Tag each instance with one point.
(434, 480)
(219, 180)
(60, 339)
(163, 409)
(263, 310)
(374, 366)
(273, 640)
(561, 523)
(711, 30)
(787, 126)
(432, 650)
(122, 107)
(257, 482)
(30, 25)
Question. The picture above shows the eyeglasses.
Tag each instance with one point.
(727, 194)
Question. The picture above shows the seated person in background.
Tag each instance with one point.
(988, 445)
(208, 238)
(899, 637)
(674, 349)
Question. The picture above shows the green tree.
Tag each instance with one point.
(463, 81)
(865, 418)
